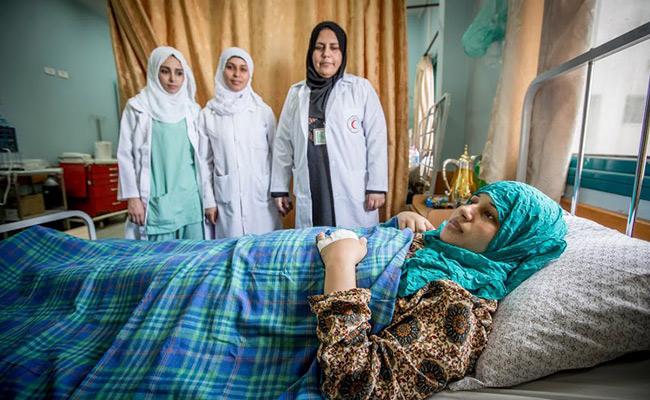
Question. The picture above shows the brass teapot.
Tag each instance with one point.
(463, 184)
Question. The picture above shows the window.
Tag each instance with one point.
(618, 94)
(619, 82)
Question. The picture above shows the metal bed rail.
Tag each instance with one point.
(432, 131)
(26, 223)
(615, 45)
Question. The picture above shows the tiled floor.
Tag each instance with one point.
(106, 228)
(111, 228)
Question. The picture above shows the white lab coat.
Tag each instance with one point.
(134, 161)
(235, 152)
(355, 130)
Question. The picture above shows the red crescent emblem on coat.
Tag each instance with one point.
(353, 124)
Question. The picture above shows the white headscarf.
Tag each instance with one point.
(226, 101)
(154, 99)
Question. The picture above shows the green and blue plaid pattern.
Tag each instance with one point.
(227, 319)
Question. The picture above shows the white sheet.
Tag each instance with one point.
(625, 378)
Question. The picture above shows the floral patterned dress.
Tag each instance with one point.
(435, 337)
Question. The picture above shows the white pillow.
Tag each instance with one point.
(589, 306)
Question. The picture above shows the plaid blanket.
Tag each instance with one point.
(228, 319)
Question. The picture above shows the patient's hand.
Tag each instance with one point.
(340, 258)
(343, 251)
(417, 223)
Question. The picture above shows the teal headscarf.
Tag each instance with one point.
(531, 234)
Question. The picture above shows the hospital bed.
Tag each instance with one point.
(579, 328)
(149, 320)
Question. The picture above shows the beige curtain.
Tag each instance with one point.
(423, 97)
(540, 35)
(557, 110)
(518, 69)
(276, 34)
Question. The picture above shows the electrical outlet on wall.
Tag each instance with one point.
(50, 71)
(62, 74)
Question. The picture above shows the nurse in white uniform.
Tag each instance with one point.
(331, 139)
(236, 129)
(159, 171)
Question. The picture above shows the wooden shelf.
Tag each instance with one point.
(435, 215)
(11, 177)
(604, 217)
(609, 219)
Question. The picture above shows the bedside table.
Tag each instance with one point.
(435, 215)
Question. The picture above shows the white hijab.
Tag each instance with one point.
(154, 99)
(226, 101)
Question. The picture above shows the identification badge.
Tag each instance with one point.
(319, 136)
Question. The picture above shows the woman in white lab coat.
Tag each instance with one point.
(159, 171)
(332, 139)
(236, 129)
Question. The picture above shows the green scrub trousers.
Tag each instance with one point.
(175, 210)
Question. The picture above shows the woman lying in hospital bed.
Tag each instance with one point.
(448, 291)
(231, 319)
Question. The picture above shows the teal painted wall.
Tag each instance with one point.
(453, 72)
(53, 115)
(482, 86)
(471, 82)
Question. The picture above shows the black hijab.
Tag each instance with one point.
(321, 87)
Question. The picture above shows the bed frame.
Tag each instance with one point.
(615, 45)
(432, 132)
(26, 223)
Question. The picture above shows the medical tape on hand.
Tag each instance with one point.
(331, 237)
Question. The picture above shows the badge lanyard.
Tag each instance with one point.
(317, 136)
